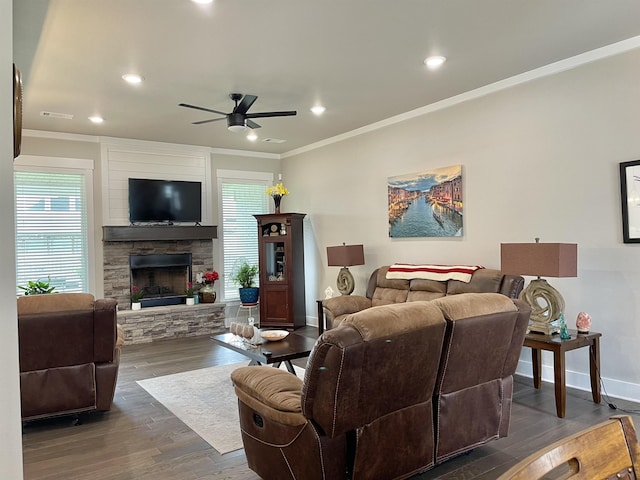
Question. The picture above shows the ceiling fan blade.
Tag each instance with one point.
(252, 124)
(208, 121)
(245, 104)
(271, 114)
(201, 108)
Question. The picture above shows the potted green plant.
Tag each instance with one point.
(245, 277)
(38, 287)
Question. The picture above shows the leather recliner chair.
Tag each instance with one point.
(382, 391)
(69, 354)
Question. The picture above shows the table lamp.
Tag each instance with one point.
(541, 260)
(345, 256)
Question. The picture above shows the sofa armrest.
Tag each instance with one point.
(512, 285)
(343, 305)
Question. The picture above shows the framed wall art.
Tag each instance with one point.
(630, 196)
(426, 204)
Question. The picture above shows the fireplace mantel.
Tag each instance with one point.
(158, 232)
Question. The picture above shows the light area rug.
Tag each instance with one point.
(205, 401)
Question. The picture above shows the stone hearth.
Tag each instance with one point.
(157, 323)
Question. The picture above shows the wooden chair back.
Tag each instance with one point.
(609, 450)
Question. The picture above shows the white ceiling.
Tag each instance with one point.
(362, 59)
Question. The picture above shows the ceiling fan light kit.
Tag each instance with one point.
(236, 122)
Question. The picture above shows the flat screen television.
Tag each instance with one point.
(164, 201)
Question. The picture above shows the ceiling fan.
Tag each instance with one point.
(238, 120)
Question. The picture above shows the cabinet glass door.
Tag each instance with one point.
(275, 261)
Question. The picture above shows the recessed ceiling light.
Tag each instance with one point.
(318, 109)
(434, 62)
(202, 2)
(96, 119)
(252, 137)
(132, 78)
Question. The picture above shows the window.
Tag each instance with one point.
(52, 231)
(242, 194)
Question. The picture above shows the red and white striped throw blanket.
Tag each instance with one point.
(407, 271)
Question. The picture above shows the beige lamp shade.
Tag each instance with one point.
(541, 260)
(345, 256)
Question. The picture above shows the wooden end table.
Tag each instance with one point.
(552, 343)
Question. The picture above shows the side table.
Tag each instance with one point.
(552, 343)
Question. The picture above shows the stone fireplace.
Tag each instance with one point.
(162, 277)
(117, 268)
(160, 260)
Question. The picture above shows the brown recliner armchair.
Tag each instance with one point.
(382, 391)
(69, 354)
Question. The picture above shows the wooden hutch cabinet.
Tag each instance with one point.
(281, 264)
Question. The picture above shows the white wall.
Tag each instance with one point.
(10, 426)
(117, 159)
(539, 160)
(124, 159)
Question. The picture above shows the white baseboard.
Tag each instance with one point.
(582, 381)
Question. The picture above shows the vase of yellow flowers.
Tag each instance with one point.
(277, 192)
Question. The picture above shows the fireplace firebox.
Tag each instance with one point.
(162, 278)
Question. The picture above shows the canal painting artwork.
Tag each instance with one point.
(426, 204)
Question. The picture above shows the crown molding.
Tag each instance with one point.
(545, 71)
(245, 153)
(75, 137)
(134, 143)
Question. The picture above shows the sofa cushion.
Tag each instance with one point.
(474, 305)
(389, 291)
(425, 290)
(483, 280)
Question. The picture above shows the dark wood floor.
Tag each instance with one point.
(140, 439)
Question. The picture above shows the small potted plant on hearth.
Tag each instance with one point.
(136, 295)
(245, 277)
(189, 292)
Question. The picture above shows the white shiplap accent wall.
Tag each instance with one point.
(122, 160)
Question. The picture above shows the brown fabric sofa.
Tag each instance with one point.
(383, 291)
(69, 354)
(392, 391)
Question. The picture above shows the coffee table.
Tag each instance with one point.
(270, 353)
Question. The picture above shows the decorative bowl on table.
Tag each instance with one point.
(273, 335)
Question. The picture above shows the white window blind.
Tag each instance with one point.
(51, 230)
(240, 200)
